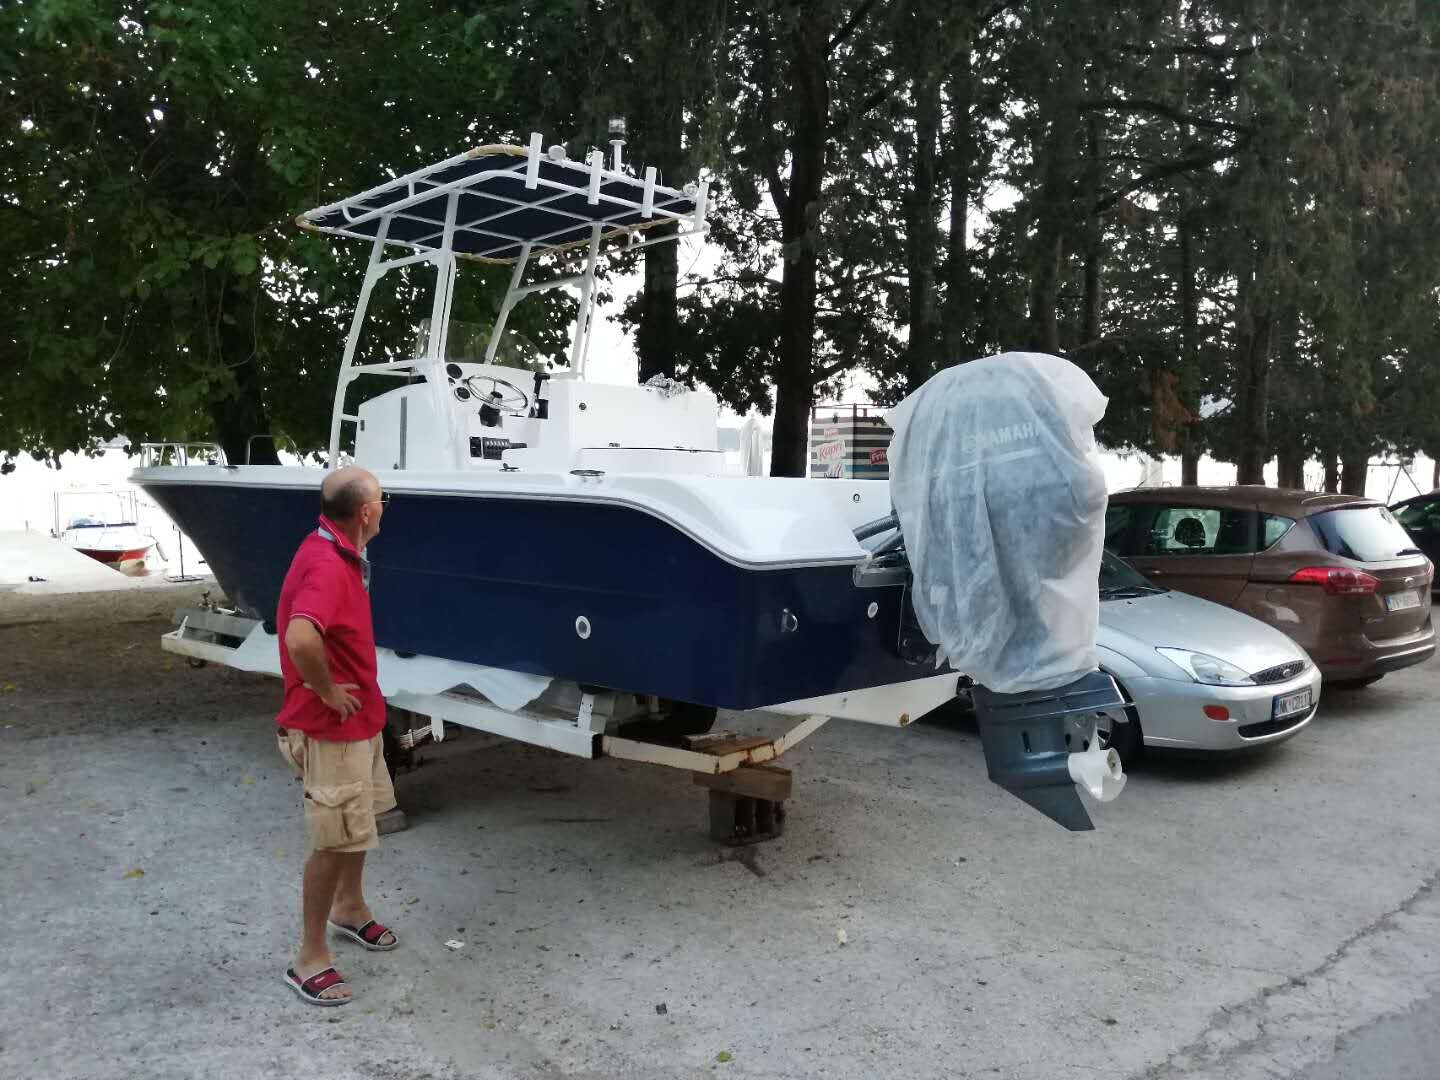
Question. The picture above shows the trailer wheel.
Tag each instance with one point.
(687, 719)
(675, 721)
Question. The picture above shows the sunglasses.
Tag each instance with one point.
(383, 500)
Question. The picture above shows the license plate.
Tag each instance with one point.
(1402, 601)
(1291, 704)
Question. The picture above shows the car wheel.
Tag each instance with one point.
(1355, 684)
(1127, 739)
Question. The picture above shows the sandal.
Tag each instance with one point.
(311, 989)
(368, 935)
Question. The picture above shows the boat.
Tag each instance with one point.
(554, 527)
(116, 538)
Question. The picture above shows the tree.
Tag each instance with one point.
(1213, 206)
(658, 66)
(157, 155)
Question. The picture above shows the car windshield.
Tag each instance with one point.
(1363, 533)
(1423, 514)
(1118, 579)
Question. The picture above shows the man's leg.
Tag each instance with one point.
(349, 907)
(323, 872)
(335, 773)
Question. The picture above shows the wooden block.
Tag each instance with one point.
(739, 819)
(769, 782)
(722, 816)
(392, 821)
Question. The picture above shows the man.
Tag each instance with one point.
(330, 724)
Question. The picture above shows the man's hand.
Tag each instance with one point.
(307, 650)
(341, 700)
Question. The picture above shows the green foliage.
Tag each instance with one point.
(1220, 208)
(152, 161)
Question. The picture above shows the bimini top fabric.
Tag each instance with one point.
(997, 483)
(496, 213)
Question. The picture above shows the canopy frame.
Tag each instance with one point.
(497, 204)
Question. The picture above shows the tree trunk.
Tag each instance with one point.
(1290, 465)
(922, 240)
(1189, 468)
(1094, 294)
(231, 317)
(1331, 464)
(1189, 361)
(1355, 473)
(239, 413)
(809, 108)
(1055, 205)
(657, 336)
(1094, 233)
(1254, 404)
(1044, 320)
(1256, 324)
(960, 154)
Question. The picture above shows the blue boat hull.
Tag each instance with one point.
(501, 582)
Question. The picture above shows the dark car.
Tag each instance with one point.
(1421, 517)
(1339, 574)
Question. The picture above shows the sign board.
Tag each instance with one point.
(849, 443)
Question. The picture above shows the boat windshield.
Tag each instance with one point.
(1120, 581)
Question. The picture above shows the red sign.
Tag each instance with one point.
(878, 457)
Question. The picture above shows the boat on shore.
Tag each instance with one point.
(109, 531)
(542, 524)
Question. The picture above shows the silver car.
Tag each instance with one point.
(1198, 676)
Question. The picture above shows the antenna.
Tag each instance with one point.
(617, 140)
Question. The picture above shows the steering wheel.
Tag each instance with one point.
(512, 400)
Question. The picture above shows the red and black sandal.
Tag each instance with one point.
(311, 988)
(368, 935)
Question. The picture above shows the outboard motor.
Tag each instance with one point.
(1000, 498)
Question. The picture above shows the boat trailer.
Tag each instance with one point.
(747, 790)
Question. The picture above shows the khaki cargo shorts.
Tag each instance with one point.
(346, 785)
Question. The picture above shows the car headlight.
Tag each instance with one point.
(1207, 669)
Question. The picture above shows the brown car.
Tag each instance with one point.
(1337, 573)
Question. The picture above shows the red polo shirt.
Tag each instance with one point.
(327, 584)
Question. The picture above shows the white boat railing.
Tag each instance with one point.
(154, 454)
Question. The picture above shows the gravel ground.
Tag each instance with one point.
(1270, 916)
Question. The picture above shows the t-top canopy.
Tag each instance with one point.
(506, 197)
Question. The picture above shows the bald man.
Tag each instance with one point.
(330, 725)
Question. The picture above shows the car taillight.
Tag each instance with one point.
(1337, 581)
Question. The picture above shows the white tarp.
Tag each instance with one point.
(509, 690)
(752, 447)
(997, 482)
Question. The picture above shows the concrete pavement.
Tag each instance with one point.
(1272, 916)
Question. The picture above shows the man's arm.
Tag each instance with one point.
(306, 647)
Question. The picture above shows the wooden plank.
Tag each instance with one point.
(722, 743)
(772, 783)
